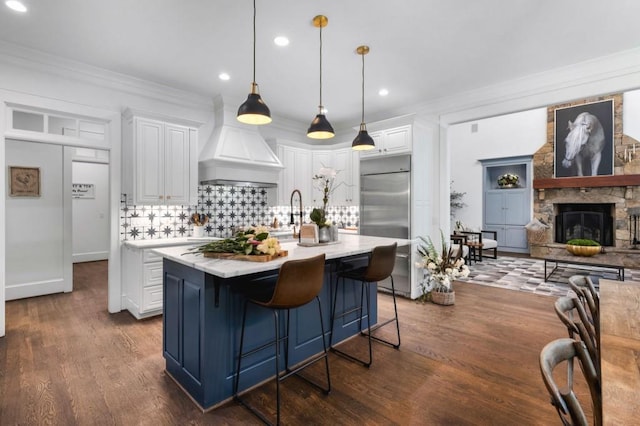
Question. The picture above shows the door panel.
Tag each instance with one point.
(38, 231)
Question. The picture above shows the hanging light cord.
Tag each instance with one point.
(254, 41)
(321, 67)
(362, 122)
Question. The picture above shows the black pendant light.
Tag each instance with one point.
(363, 141)
(254, 110)
(320, 127)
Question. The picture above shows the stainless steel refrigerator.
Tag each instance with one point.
(385, 200)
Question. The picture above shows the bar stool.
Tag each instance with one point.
(298, 283)
(380, 267)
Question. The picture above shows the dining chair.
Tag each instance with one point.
(299, 282)
(563, 398)
(586, 291)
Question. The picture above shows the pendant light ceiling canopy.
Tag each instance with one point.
(363, 141)
(320, 127)
(254, 110)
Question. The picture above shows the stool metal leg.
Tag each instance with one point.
(395, 318)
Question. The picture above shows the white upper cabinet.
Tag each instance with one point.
(296, 174)
(347, 162)
(397, 140)
(160, 164)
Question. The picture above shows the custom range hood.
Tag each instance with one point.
(236, 153)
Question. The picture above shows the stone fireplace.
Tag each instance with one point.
(594, 207)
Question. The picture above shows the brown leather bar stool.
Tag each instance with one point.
(380, 267)
(298, 283)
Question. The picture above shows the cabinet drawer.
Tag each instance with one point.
(151, 298)
(150, 256)
(152, 274)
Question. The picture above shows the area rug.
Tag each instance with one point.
(527, 274)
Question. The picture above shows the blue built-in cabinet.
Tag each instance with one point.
(202, 323)
(507, 210)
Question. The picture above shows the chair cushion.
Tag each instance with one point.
(456, 247)
(488, 243)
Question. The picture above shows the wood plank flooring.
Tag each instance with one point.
(66, 361)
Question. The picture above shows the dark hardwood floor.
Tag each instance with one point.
(66, 361)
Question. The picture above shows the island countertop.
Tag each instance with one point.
(348, 245)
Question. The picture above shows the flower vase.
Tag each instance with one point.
(443, 298)
(324, 234)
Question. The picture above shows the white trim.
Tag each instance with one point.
(90, 257)
(112, 120)
(53, 65)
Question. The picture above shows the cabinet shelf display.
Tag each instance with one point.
(508, 180)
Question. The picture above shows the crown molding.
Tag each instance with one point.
(598, 76)
(35, 60)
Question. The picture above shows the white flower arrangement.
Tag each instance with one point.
(508, 179)
(440, 269)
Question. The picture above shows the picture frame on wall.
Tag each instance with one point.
(24, 181)
(583, 139)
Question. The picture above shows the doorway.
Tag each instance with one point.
(38, 219)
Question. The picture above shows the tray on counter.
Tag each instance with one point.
(246, 257)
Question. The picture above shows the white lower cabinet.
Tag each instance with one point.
(142, 282)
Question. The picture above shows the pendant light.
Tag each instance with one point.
(254, 110)
(363, 141)
(320, 127)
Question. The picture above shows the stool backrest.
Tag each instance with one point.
(299, 282)
(563, 397)
(381, 263)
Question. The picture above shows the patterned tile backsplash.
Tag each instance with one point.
(225, 206)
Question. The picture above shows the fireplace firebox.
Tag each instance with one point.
(592, 221)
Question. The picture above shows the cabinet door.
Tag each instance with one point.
(515, 237)
(149, 173)
(494, 208)
(176, 165)
(516, 207)
(397, 140)
(343, 163)
(295, 175)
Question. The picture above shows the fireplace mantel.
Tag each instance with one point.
(586, 181)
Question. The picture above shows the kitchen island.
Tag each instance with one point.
(202, 314)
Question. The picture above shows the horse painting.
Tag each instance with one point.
(584, 141)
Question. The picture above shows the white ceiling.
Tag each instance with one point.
(421, 50)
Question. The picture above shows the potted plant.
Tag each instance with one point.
(583, 247)
(508, 180)
(440, 269)
(324, 181)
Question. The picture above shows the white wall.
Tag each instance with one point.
(90, 216)
(631, 115)
(521, 133)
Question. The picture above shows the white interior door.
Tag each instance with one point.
(38, 227)
(90, 205)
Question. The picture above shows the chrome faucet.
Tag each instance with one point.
(293, 222)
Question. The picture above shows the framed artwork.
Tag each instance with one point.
(583, 139)
(24, 181)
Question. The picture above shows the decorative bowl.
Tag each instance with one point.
(583, 250)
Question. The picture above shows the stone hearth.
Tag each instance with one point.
(622, 190)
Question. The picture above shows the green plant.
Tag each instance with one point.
(582, 242)
(455, 200)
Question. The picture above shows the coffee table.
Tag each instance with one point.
(582, 264)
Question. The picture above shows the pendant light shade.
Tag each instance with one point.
(254, 110)
(363, 141)
(320, 127)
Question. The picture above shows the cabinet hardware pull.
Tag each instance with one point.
(161, 197)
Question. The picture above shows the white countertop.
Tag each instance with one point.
(348, 245)
(166, 242)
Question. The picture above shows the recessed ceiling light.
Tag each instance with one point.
(224, 76)
(281, 41)
(16, 5)
(383, 92)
